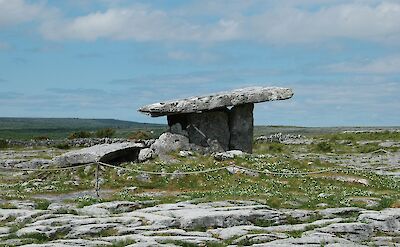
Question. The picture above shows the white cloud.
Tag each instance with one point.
(285, 23)
(282, 22)
(18, 11)
(355, 21)
(138, 23)
(385, 65)
(179, 55)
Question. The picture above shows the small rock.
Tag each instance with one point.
(87, 170)
(4, 230)
(130, 189)
(239, 170)
(231, 154)
(177, 174)
(185, 153)
(143, 177)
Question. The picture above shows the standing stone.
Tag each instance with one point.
(241, 128)
(207, 129)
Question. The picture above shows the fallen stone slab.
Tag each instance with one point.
(218, 100)
(108, 153)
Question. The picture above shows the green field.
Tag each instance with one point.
(59, 128)
(326, 185)
(313, 131)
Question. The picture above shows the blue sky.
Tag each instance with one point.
(106, 58)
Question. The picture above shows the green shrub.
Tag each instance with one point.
(38, 237)
(42, 204)
(325, 147)
(62, 145)
(368, 148)
(40, 138)
(140, 135)
(3, 144)
(7, 205)
(86, 201)
(105, 133)
(80, 134)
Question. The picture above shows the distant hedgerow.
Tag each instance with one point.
(3, 144)
(324, 147)
(140, 135)
(80, 134)
(105, 133)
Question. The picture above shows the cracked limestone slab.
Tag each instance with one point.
(218, 100)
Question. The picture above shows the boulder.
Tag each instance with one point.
(146, 154)
(169, 142)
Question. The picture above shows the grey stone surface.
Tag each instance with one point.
(311, 241)
(260, 238)
(334, 212)
(241, 128)
(105, 152)
(226, 221)
(387, 220)
(223, 99)
(354, 231)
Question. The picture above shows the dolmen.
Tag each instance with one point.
(208, 124)
(222, 121)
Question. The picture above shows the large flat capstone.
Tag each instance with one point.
(218, 100)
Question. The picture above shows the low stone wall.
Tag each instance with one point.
(278, 137)
(81, 142)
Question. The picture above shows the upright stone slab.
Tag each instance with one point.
(207, 129)
(241, 128)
